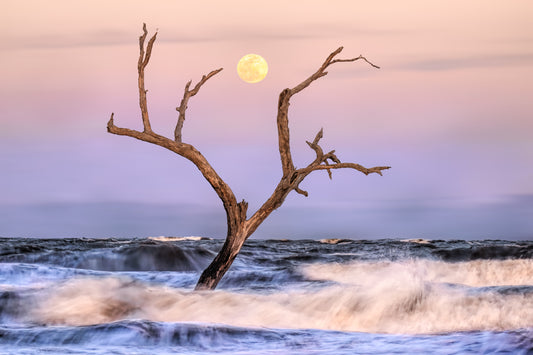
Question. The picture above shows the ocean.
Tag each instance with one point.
(330, 296)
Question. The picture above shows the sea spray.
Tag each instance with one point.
(476, 273)
(401, 303)
(128, 296)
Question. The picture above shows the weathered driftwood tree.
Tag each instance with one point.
(239, 226)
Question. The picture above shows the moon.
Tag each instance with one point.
(252, 68)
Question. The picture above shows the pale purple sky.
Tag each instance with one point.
(450, 111)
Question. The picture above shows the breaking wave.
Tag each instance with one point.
(476, 273)
(141, 255)
(125, 337)
(384, 299)
(334, 296)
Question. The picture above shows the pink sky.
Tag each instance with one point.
(450, 110)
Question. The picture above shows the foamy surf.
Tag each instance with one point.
(417, 240)
(386, 296)
(401, 303)
(177, 239)
(475, 273)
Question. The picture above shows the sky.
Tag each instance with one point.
(450, 111)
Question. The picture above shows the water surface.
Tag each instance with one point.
(134, 296)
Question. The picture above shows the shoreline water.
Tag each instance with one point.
(95, 296)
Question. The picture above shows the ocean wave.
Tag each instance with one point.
(476, 250)
(135, 336)
(141, 333)
(335, 241)
(398, 304)
(177, 239)
(385, 286)
(138, 255)
(416, 240)
(477, 273)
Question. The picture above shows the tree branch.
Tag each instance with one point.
(366, 171)
(234, 211)
(144, 58)
(284, 102)
(187, 94)
(300, 191)
(224, 192)
(316, 147)
(321, 162)
(292, 177)
(322, 70)
(283, 132)
(353, 60)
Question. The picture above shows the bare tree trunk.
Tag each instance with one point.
(212, 275)
(239, 226)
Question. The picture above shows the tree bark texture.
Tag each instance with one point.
(239, 227)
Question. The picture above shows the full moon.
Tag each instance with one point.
(252, 68)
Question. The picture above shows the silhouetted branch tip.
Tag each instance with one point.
(301, 192)
(187, 94)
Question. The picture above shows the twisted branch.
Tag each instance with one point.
(234, 211)
(322, 70)
(318, 150)
(283, 107)
(144, 58)
(292, 177)
(187, 94)
(321, 161)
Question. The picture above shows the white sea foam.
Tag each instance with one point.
(410, 297)
(417, 240)
(334, 241)
(174, 239)
(477, 273)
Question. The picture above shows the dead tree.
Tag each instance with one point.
(239, 226)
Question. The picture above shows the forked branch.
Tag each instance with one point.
(234, 210)
(187, 94)
(284, 102)
(322, 70)
(144, 58)
(292, 177)
(321, 161)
